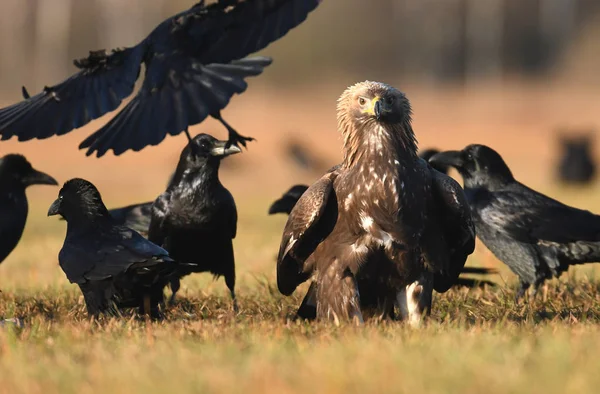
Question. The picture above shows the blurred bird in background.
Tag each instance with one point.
(576, 164)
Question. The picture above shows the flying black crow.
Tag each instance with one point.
(384, 228)
(114, 266)
(16, 174)
(536, 236)
(576, 165)
(195, 219)
(307, 309)
(194, 63)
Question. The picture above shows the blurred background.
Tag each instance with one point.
(512, 74)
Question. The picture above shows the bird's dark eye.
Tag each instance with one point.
(389, 100)
(469, 157)
(204, 145)
(362, 101)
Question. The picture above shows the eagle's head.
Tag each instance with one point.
(377, 116)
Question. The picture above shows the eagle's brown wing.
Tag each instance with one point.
(311, 220)
(457, 227)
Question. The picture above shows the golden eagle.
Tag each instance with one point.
(384, 228)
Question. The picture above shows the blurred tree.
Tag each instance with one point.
(425, 40)
(52, 31)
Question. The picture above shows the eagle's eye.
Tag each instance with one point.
(362, 101)
(389, 100)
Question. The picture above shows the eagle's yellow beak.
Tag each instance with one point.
(376, 108)
(370, 110)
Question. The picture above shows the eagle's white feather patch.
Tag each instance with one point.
(386, 240)
(347, 201)
(359, 248)
(366, 221)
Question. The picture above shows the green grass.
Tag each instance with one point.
(475, 341)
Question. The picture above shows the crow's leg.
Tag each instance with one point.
(415, 300)
(536, 286)
(188, 136)
(193, 147)
(175, 286)
(151, 302)
(523, 286)
(338, 298)
(98, 298)
(234, 136)
(308, 308)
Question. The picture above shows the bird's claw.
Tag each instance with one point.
(237, 140)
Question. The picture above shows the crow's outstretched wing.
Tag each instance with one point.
(178, 91)
(98, 88)
(194, 64)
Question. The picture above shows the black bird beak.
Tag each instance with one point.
(377, 110)
(283, 205)
(39, 178)
(220, 149)
(451, 158)
(54, 208)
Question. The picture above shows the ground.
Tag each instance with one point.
(475, 341)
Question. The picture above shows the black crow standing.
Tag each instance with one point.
(194, 63)
(114, 266)
(536, 236)
(195, 219)
(576, 165)
(16, 174)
